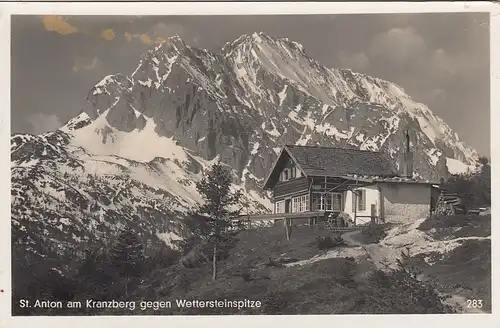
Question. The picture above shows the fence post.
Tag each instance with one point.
(373, 213)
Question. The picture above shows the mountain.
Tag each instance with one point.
(134, 152)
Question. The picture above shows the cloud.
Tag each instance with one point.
(357, 61)
(58, 24)
(398, 44)
(80, 63)
(146, 39)
(156, 34)
(41, 122)
(108, 34)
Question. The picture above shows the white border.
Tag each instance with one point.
(256, 8)
(241, 8)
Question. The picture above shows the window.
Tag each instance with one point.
(304, 203)
(289, 173)
(300, 204)
(314, 202)
(362, 200)
(280, 207)
(318, 201)
(337, 201)
(326, 201)
(295, 205)
(321, 202)
(359, 197)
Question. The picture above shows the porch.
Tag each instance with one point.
(315, 219)
(326, 197)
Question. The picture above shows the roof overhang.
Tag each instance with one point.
(379, 179)
(429, 183)
(277, 216)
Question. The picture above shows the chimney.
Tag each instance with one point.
(407, 157)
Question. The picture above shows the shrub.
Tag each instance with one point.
(327, 242)
(275, 302)
(160, 257)
(474, 188)
(347, 272)
(245, 275)
(399, 292)
(373, 233)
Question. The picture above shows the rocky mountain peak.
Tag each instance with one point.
(135, 151)
(271, 83)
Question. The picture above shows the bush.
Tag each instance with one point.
(456, 226)
(246, 276)
(400, 292)
(373, 233)
(473, 188)
(327, 242)
(275, 302)
(346, 273)
(161, 257)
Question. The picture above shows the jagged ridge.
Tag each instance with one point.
(153, 133)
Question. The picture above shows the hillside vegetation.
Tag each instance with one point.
(431, 265)
(296, 277)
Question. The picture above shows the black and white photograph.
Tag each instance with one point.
(186, 165)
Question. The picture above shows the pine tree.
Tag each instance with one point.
(127, 257)
(211, 221)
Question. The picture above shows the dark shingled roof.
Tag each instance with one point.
(326, 161)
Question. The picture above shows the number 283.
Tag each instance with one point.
(477, 304)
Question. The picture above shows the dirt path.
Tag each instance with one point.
(348, 238)
(384, 257)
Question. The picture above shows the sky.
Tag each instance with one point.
(440, 59)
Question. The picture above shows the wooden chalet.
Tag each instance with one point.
(311, 183)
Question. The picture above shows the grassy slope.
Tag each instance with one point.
(466, 270)
(332, 285)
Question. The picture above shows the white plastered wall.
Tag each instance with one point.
(405, 201)
(372, 197)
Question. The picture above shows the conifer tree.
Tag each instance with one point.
(211, 221)
(127, 257)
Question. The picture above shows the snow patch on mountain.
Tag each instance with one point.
(457, 167)
(99, 138)
(170, 238)
(113, 163)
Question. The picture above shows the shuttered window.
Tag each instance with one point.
(359, 199)
(362, 200)
(337, 201)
